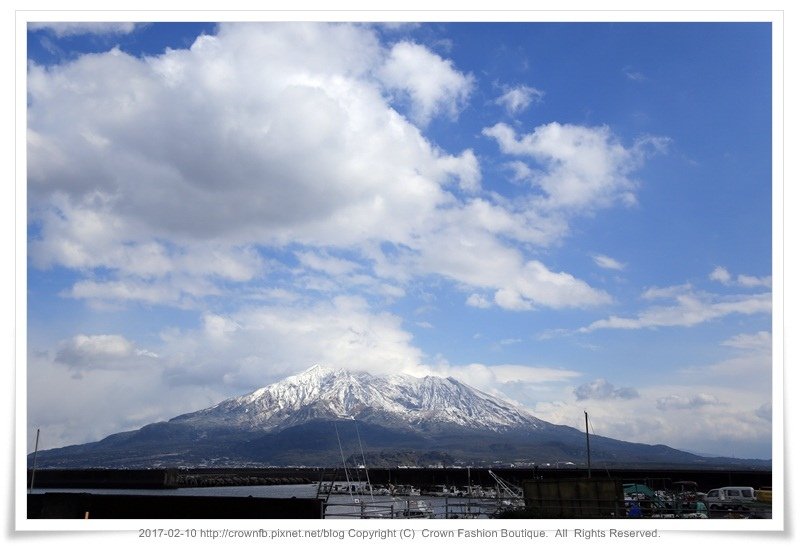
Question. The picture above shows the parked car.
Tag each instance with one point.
(730, 497)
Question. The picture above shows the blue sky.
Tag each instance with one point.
(573, 216)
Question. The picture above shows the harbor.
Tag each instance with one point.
(328, 493)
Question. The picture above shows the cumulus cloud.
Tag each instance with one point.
(603, 389)
(580, 168)
(433, 85)
(472, 257)
(519, 98)
(202, 124)
(200, 149)
(168, 183)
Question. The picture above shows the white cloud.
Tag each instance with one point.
(683, 402)
(608, 263)
(720, 274)
(251, 347)
(760, 341)
(690, 308)
(539, 285)
(82, 348)
(765, 412)
(242, 172)
(634, 75)
(478, 301)
(326, 263)
(657, 293)
(723, 276)
(725, 401)
(128, 392)
(83, 353)
(721, 417)
(581, 168)
(519, 98)
(431, 82)
(204, 153)
(175, 291)
(227, 355)
(521, 384)
(62, 29)
(470, 256)
(218, 329)
(172, 174)
(753, 281)
(521, 171)
(603, 389)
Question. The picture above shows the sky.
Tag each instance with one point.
(572, 216)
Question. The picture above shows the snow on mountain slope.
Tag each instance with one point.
(397, 400)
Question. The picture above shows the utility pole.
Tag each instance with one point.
(588, 453)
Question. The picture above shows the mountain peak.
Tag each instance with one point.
(320, 392)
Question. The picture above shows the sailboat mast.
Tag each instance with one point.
(588, 452)
(344, 464)
(364, 460)
(35, 452)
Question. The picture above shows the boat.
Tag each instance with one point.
(414, 509)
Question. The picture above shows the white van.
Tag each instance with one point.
(730, 497)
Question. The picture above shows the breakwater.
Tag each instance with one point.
(61, 505)
(706, 479)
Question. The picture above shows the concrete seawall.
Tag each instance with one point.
(103, 506)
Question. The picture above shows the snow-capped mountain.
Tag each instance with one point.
(315, 417)
(398, 400)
